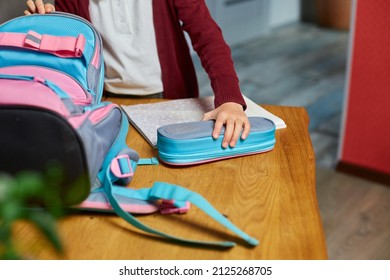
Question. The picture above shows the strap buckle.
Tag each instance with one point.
(171, 207)
(121, 166)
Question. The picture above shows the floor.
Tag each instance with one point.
(303, 65)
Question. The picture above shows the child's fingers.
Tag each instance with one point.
(40, 6)
(31, 8)
(247, 128)
(238, 128)
(228, 136)
(49, 8)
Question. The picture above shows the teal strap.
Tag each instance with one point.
(168, 191)
(117, 146)
(172, 192)
(148, 161)
(107, 186)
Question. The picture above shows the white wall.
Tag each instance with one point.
(253, 18)
(283, 12)
(240, 20)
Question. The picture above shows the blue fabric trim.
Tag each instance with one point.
(119, 144)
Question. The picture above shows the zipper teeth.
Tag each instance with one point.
(31, 79)
(87, 94)
(61, 113)
(175, 141)
(95, 61)
(267, 146)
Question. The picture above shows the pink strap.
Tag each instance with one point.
(62, 46)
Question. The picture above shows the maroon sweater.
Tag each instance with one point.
(178, 73)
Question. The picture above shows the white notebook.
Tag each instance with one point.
(147, 118)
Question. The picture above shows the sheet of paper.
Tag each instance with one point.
(147, 118)
(254, 110)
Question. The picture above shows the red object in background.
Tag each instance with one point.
(365, 142)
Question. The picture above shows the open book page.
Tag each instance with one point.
(147, 118)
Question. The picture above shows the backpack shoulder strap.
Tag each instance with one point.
(169, 192)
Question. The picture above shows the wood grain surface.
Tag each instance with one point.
(271, 196)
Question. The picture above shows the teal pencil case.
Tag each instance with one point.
(192, 143)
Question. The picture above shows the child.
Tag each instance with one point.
(146, 53)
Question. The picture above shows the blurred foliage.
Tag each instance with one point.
(32, 197)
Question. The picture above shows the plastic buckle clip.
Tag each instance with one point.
(121, 166)
(171, 207)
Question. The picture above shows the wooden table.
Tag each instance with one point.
(270, 196)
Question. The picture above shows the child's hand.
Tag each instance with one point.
(235, 120)
(38, 7)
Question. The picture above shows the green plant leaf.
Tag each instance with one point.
(48, 226)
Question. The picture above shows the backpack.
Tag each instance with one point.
(51, 113)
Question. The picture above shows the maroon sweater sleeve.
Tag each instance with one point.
(206, 38)
(76, 7)
(214, 53)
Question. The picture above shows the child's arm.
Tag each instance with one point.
(215, 56)
(38, 7)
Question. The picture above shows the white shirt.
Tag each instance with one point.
(130, 52)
